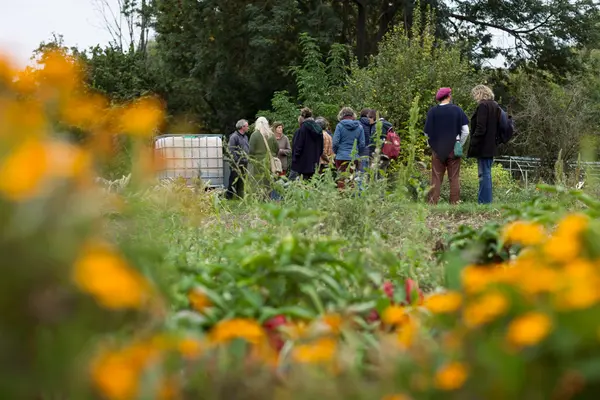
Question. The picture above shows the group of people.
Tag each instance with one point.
(312, 151)
(447, 129)
(354, 142)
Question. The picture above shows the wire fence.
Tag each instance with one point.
(526, 168)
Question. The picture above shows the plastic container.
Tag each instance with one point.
(191, 157)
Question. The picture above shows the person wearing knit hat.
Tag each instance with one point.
(446, 124)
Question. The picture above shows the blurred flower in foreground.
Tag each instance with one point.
(485, 309)
(451, 376)
(443, 303)
(238, 328)
(529, 329)
(319, 351)
(24, 170)
(142, 117)
(104, 274)
(198, 300)
(524, 233)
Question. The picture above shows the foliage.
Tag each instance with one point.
(410, 65)
(551, 118)
(318, 82)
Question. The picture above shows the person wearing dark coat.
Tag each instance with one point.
(238, 149)
(307, 147)
(367, 120)
(446, 124)
(483, 147)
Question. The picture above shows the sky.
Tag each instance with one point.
(26, 23)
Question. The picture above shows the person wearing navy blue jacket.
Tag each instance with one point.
(446, 124)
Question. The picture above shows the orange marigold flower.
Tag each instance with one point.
(104, 274)
(529, 329)
(142, 117)
(6, 69)
(394, 315)
(536, 279)
(407, 333)
(60, 70)
(476, 278)
(580, 286)
(524, 233)
(199, 300)
(397, 396)
(239, 328)
(443, 303)
(572, 225)
(485, 309)
(333, 322)
(24, 170)
(562, 249)
(116, 376)
(451, 376)
(320, 351)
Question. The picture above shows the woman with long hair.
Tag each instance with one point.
(484, 128)
(263, 146)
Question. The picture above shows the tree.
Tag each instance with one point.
(411, 65)
(226, 58)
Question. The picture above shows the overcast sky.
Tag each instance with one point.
(26, 23)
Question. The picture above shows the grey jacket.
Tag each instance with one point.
(239, 148)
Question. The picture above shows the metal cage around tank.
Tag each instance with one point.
(191, 157)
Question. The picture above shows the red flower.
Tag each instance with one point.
(275, 322)
(411, 286)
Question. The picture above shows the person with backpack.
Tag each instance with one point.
(367, 120)
(447, 129)
(484, 127)
(390, 145)
(349, 134)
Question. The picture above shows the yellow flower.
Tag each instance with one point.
(580, 286)
(23, 171)
(529, 329)
(475, 278)
(116, 376)
(190, 348)
(319, 351)
(6, 70)
(333, 322)
(397, 396)
(562, 249)
(60, 70)
(451, 376)
(524, 233)
(443, 303)
(142, 117)
(572, 225)
(536, 279)
(117, 373)
(407, 333)
(67, 160)
(84, 112)
(104, 274)
(227, 330)
(485, 309)
(198, 300)
(394, 315)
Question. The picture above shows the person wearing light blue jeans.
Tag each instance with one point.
(484, 168)
(484, 128)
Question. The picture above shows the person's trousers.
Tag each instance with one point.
(484, 168)
(342, 167)
(295, 175)
(438, 169)
(235, 188)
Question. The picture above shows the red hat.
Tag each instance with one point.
(443, 93)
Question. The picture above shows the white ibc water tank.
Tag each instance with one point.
(191, 156)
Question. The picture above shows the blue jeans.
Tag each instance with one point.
(484, 167)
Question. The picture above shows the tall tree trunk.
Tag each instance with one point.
(361, 31)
